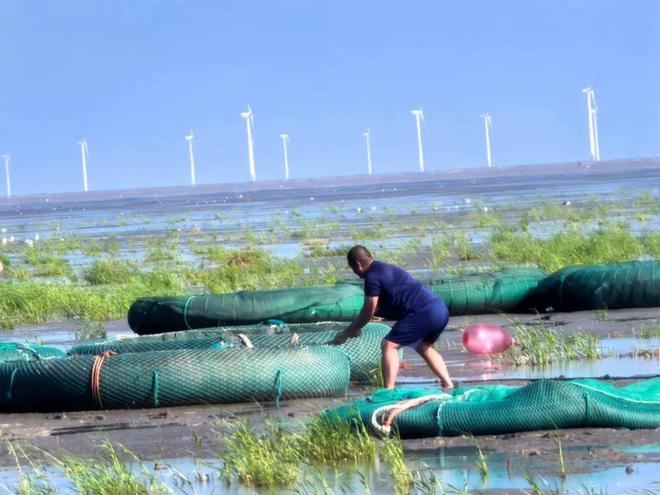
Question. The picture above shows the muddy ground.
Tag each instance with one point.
(181, 432)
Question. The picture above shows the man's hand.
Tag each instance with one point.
(355, 328)
(345, 335)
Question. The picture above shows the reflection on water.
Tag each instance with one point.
(614, 367)
(451, 467)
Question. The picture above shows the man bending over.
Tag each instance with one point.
(394, 294)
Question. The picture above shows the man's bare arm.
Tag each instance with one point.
(366, 313)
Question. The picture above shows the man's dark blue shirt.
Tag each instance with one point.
(399, 292)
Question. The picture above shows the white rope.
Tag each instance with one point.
(396, 409)
(245, 339)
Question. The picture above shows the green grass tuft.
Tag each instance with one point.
(88, 329)
(649, 330)
(392, 454)
(610, 243)
(113, 477)
(103, 272)
(543, 344)
(334, 442)
(267, 460)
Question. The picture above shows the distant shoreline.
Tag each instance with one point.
(577, 169)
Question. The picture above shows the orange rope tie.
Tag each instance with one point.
(95, 381)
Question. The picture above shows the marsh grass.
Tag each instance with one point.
(18, 273)
(562, 464)
(334, 442)
(94, 248)
(648, 330)
(427, 483)
(376, 378)
(267, 460)
(243, 269)
(37, 302)
(401, 254)
(391, 453)
(533, 484)
(278, 458)
(609, 243)
(32, 479)
(600, 315)
(314, 483)
(543, 344)
(112, 271)
(110, 476)
(115, 284)
(88, 329)
(482, 464)
(113, 477)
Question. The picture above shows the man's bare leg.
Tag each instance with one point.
(390, 362)
(436, 363)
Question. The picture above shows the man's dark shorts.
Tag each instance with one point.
(424, 325)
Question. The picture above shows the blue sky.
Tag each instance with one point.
(132, 77)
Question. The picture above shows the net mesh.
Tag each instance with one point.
(363, 351)
(470, 294)
(486, 292)
(632, 284)
(172, 378)
(340, 302)
(496, 409)
(11, 351)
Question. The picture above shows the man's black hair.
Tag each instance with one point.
(356, 253)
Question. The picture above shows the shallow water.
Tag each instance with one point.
(451, 467)
(198, 213)
(613, 367)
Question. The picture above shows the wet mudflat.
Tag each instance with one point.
(445, 224)
(186, 440)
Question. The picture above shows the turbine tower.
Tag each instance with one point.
(419, 116)
(249, 120)
(84, 151)
(367, 136)
(285, 143)
(190, 138)
(6, 159)
(592, 113)
(488, 124)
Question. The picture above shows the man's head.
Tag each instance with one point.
(359, 259)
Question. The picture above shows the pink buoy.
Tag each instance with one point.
(482, 338)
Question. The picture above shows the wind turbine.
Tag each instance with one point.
(190, 138)
(285, 142)
(488, 124)
(367, 135)
(6, 158)
(249, 120)
(419, 116)
(84, 151)
(592, 113)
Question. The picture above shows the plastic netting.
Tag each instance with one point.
(469, 294)
(340, 302)
(173, 378)
(12, 351)
(496, 409)
(486, 292)
(261, 329)
(363, 352)
(633, 284)
(221, 340)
